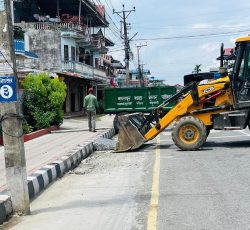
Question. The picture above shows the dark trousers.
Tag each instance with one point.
(91, 120)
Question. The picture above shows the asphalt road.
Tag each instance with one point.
(206, 189)
(156, 187)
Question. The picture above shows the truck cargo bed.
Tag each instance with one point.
(118, 100)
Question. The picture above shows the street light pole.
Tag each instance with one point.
(15, 164)
(141, 80)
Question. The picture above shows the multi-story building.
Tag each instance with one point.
(67, 36)
(134, 78)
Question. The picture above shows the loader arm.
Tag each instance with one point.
(179, 110)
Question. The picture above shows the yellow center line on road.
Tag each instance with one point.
(153, 208)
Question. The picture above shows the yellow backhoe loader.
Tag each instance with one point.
(222, 104)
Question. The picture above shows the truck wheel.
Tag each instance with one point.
(189, 133)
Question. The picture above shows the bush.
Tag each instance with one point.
(43, 100)
(27, 128)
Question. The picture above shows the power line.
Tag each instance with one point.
(112, 51)
(214, 13)
(111, 4)
(111, 9)
(184, 19)
(109, 15)
(191, 36)
(188, 26)
(115, 31)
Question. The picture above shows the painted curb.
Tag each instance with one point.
(5, 207)
(38, 133)
(42, 178)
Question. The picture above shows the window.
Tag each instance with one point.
(73, 53)
(66, 53)
(81, 54)
(96, 62)
(242, 89)
(244, 72)
(248, 65)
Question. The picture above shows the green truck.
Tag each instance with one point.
(133, 100)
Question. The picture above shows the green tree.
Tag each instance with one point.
(43, 100)
(18, 33)
(197, 69)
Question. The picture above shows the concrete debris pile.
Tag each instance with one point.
(102, 144)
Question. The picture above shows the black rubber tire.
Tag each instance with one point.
(189, 125)
(208, 130)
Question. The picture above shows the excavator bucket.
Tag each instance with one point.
(129, 136)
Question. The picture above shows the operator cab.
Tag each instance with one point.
(241, 72)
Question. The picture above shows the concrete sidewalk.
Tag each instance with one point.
(49, 156)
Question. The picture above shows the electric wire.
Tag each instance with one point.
(191, 36)
(112, 27)
(14, 71)
(214, 13)
(12, 116)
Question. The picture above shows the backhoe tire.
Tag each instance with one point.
(208, 130)
(189, 133)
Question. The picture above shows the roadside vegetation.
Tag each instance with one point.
(43, 101)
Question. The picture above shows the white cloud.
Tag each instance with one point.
(202, 26)
(210, 47)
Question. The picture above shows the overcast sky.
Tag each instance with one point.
(160, 21)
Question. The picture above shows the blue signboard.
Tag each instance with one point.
(8, 89)
(1, 5)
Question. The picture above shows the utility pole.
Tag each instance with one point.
(58, 10)
(15, 164)
(141, 80)
(80, 10)
(124, 14)
(142, 70)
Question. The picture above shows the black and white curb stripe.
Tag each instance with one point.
(41, 178)
(5, 208)
(107, 135)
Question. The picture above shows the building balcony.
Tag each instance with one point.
(84, 71)
(25, 59)
(19, 46)
(62, 26)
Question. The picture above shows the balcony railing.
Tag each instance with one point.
(86, 71)
(52, 26)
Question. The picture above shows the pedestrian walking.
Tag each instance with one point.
(90, 105)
